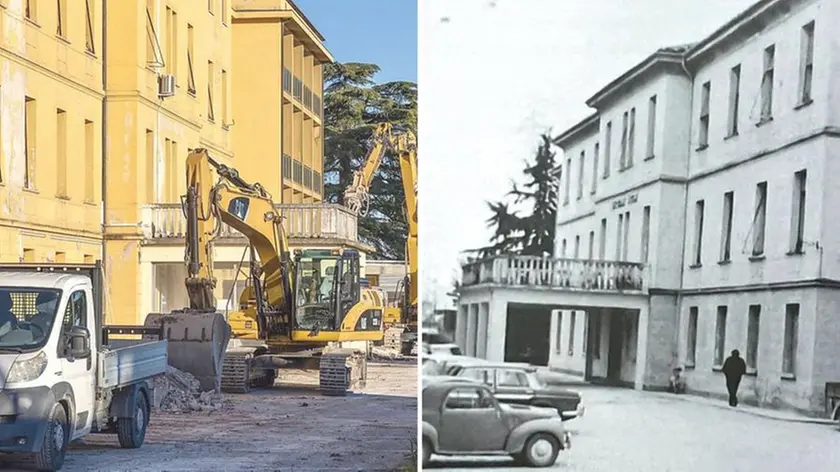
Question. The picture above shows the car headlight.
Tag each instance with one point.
(27, 370)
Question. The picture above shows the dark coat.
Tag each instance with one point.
(734, 368)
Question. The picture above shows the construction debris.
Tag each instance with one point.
(180, 392)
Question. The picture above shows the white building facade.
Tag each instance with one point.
(706, 168)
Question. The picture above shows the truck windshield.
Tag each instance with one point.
(26, 316)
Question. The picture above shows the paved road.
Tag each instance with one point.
(630, 431)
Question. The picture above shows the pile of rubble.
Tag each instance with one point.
(180, 392)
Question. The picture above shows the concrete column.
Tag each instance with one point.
(472, 324)
(461, 327)
(656, 345)
(496, 327)
(147, 291)
(481, 332)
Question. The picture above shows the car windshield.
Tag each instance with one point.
(26, 316)
(535, 381)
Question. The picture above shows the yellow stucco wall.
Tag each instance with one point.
(50, 133)
(149, 136)
(278, 103)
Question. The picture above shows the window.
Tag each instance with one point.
(726, 227)
(618, 238)
(691, 338)
(76, 312)
(622, 161)
(705, 95)
(577, 246)
(224, 98)
(29, 134)
(806, 63)
(720, 335)
(607, 149)
(626, 234)
(31, 9)
(558, 341)
(568, 172)
(211, 6)
(61, 24)
(595, 157)
(153, 180)
(171, 42)
(90, 162)
(651, 131)
(572, 333)
(734, 100)
(591, 244)
(90, 44)
(797, 223)
(581, 174)
(154, 54)
(211, 78)
(645, 233)
(224, 12)
(563, 248)
(631, 138)
(596, 335)
(169, 175)
(61, 153)
(466, 398)
(511, 378)
(767, 84)
(699, 210)
(759, 219)
(791, 338)
(484, 376)
(190, 73)
(602, 243)
(752, 336)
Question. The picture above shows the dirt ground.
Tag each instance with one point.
(291, 427)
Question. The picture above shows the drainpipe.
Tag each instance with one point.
(103, 126)
(685, 200)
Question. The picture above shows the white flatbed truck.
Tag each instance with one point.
(61, 377)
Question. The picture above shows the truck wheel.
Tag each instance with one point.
(132, 431)
(56, 437)
(540, 450)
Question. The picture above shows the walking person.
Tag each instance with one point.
(734, 368)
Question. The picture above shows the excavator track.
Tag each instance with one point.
(341, 370)
(236, 372)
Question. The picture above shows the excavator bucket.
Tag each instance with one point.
(197, 343)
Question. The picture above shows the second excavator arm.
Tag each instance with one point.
(357, 196)
(249, 209)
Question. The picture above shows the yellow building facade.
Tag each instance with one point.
(50, 130)
(100, 103)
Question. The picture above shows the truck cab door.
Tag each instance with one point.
(79, 373)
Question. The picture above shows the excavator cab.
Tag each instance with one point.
(328, 285)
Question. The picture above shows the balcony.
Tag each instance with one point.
(165, 222)
(563, 274)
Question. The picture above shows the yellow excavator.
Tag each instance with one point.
(294, 310)
(403, 143)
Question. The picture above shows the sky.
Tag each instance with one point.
(496, 74)
(382, 32)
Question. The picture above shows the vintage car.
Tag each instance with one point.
(463, 418)
(513, 383)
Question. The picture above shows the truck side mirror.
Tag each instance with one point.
(78, 343)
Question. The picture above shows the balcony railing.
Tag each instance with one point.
(310, 221)
(287, 80)
(297, 89)
(530, 271)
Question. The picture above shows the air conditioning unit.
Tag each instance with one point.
(166, 85)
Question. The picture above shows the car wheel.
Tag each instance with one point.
(541, 450)
(54, 444)
(427, 452)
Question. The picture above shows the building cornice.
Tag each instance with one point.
(663, 59)
(735, 31)
(292, 18)
(583, 129)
